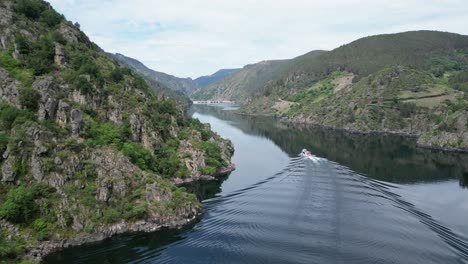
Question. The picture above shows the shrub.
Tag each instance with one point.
(137, 212)
(57, 37)
(30, 8)
(103, 134)
(4, 138)
(41, 58)
(83, 85)
(10, 116)
(51, 18)
(111, 215)
(29, 99)
(139, 155)
(19, 205)
(116, 75)
(40, 228)
(10, 248)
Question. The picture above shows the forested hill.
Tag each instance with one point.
(87, 148)
(184, 86)
(249, 80)
(412, 83)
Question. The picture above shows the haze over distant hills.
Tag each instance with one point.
(210, 79)
(181, 86)
(184, 85)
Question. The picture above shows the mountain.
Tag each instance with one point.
(87, 148)
(413, 83)
(207, 80)
(182, 85)
(252, 78)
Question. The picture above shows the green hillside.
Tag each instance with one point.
(87, 148)
(385, 81)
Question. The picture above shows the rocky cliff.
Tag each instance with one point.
(87, 148)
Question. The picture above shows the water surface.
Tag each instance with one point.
(364, 199)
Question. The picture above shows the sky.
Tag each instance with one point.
(191, 38)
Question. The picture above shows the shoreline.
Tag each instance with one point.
(45, 248)
(360, 132)
(378, 132)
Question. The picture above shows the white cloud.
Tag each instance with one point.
(198, 37)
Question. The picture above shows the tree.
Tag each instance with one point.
(30, 8)
(19, 206)
(29, 99)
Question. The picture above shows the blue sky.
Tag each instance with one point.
(190, 38)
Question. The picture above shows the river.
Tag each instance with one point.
(363, 199)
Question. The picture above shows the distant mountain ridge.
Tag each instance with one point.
(210, 79)
(184, 85)
(412, 82)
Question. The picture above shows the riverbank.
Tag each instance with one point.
(414, 136)
(189, 215)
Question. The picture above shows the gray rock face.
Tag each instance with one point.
(194, 160)
(6, 14)
(47, 103)
(36, 168)
(8, 175)
(115, 113)
(70, 33)
(9, 89)
(62, 113)
(76, 122)
(59, 58)
(113, 174)
(136, 127)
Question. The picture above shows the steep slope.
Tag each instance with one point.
(185, 85)
(412, 83)
(210, 79)
(87, 148)
(251, 79)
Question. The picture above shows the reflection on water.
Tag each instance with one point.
(389, 158)
(364, 199)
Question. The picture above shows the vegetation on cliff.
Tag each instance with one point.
(87, 148)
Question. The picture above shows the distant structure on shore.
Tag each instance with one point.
(214, 102)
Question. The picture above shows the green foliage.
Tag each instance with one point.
(10, 248)
(111, 215)
(41, 229)
(59, 38)
(20, 168)
(15, 68)
(83, 85)
(29, 99)
(139, 156)
(19, 206)
(34, 9)
(167, 158)
(407, 109)
(11, 116)
(208, 170)
(118, 74)
(51, 18)
(41, 56)
(212, 154)
(4, 138)
(459, 81)
(85, 64)
(30, 8)
(137, 212)
(101, 134)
